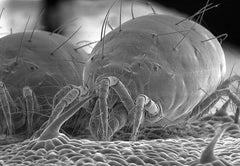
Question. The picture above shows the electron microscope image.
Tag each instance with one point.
(116, 83)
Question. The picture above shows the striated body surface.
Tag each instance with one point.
(33, 68)
(37, 65)
(168, 61)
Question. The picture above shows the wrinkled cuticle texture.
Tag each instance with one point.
(151, 65)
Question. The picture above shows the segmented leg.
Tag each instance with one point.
(209, 102)
(96, 130)
(4, 102)
(117, 119)
(103, 89)
(66, 100)
(31, 107)
(222, 92)
(63, 103)
(53, 128)
(69, 94)
(59, 95)
(12, 104)
(138, 116)
(223, 110)
(225, 84)
(103, 107)
(143, 102)
(200, 109)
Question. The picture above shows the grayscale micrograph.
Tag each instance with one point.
(119, 83)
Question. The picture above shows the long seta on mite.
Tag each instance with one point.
(61, 27)
(199, 19)
(224, 36)
(106, 22)
(104, 26)
(52, 53)
(1, 13)
(20, 48)
(204, 9)
(36, 24)
(90, 43)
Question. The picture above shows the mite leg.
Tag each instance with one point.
(143, 103)
(56, 110)
(222, 92)
(30, 102)
(103, 89)
(210, 101)
(95, 127)
(225, 84)
(12, 104)
(117, 119)
(200, 109)
(66, 100)
(103, 107)
(59, 95)
(223, 110)
(32, 107)
(6, 108)
(73, 100)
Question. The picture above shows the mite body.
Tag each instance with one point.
(42, 61)
(37, 63)
(152, 70)
(166, 61)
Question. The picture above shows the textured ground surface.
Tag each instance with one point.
(156, 152)
(178, 146)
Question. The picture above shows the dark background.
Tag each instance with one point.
(223, 19)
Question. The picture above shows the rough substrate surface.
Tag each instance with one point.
(155, 148)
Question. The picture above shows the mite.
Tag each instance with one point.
(152, 70)
(160, 65)
(33, 67)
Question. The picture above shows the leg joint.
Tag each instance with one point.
(27, 91)
(149, 105)
(111, 80)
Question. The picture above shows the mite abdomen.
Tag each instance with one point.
(172, 62)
